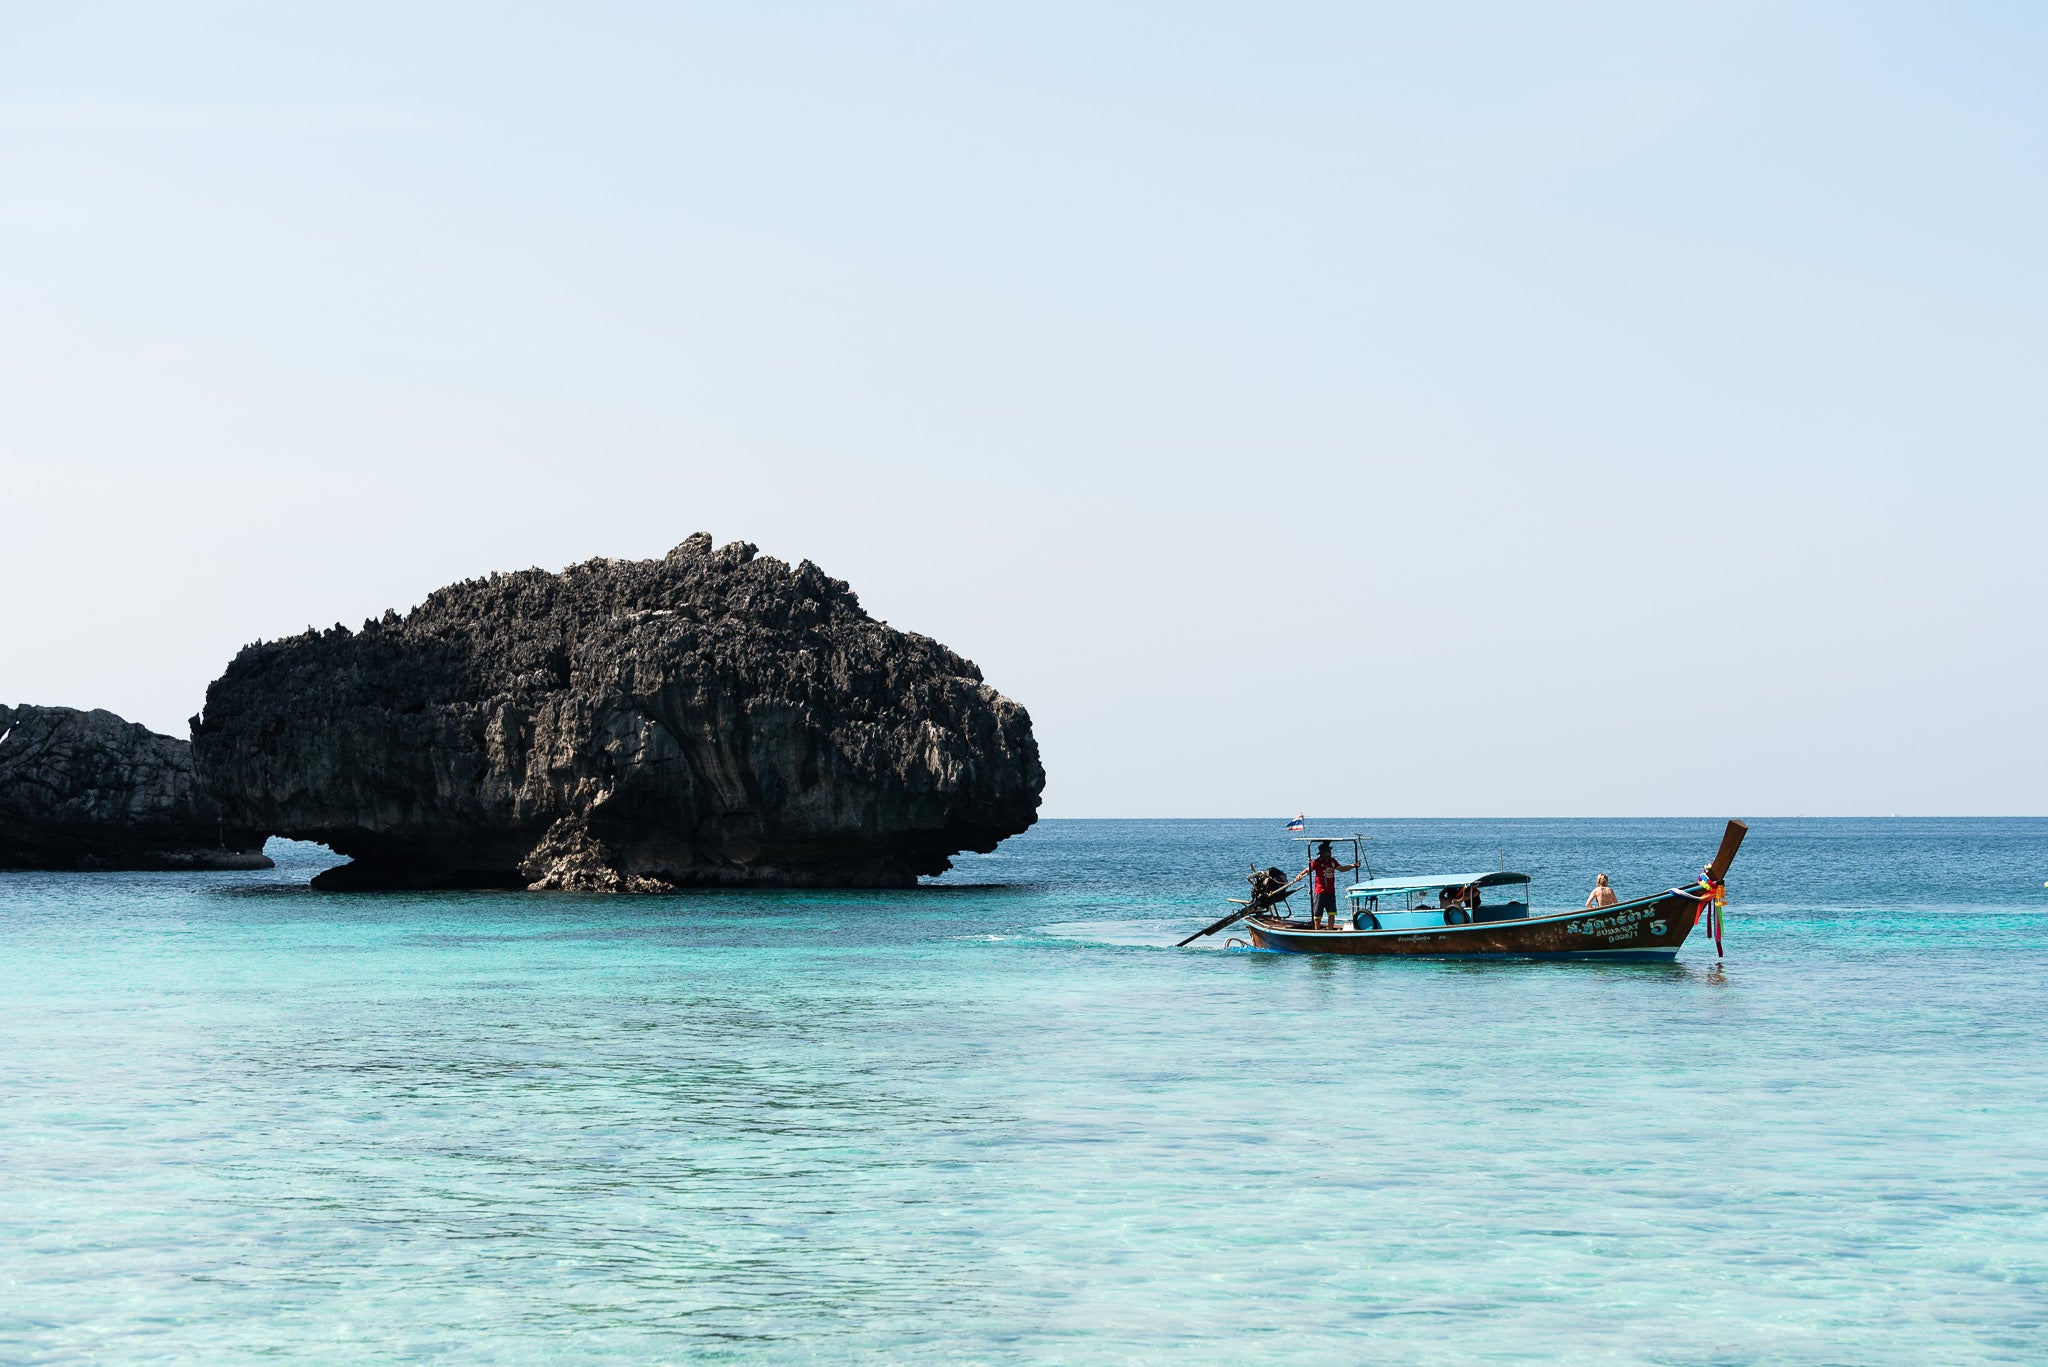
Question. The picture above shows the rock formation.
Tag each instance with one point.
(707, 718)
(87, 790)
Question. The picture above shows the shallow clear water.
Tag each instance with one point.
(997, 1120)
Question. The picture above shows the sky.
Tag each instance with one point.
(1629, 408)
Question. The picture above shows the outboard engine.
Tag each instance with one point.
(1267, 885)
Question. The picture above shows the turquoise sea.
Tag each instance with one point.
(998, 1120)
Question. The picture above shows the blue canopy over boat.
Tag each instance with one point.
(1375, 887)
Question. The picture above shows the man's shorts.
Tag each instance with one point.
(1326, 903)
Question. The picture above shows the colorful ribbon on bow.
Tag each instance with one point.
(1710, 907)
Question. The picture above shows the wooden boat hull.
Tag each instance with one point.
(1647, 928)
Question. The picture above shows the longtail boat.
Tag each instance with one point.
(1395, 916)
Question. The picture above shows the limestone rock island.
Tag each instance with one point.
(711, 717)
(88, 790)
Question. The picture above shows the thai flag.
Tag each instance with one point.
(1300, 823)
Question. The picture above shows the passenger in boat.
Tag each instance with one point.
(1323, 871)
(1458, 899)
(1602, 895)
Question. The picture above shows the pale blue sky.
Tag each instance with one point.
(1627, 408)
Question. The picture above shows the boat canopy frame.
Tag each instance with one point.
(1375, 887)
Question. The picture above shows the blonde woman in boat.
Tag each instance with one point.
(1602, 895)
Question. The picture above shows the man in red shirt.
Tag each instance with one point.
(1323, 871)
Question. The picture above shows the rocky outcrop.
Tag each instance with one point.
(570, 859)
(712, 717)
(87, 790)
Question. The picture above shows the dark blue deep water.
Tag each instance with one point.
(998, 1120)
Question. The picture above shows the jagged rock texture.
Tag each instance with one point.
(88, 790)
(570, 859)
(712, 717)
